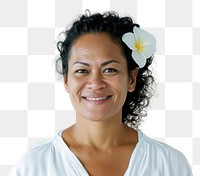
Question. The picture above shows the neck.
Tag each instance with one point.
(101, 134)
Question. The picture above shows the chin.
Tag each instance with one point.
(96, 118)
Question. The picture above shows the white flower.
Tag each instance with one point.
(142, 43)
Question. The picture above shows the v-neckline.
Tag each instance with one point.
(79, 166)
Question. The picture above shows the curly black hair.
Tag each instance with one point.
(134, 107)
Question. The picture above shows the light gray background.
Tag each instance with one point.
(33, 102)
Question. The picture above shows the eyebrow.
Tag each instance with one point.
(103, 64)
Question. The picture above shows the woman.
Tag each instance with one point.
(105, 64)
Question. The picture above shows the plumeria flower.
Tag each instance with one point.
(142, 44)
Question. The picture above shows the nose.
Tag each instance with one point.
(96, 82)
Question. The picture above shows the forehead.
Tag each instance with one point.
(96, 46)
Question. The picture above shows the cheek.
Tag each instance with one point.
(122, 84)
(121, 88)
(75, 85)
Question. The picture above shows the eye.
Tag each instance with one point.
(81, 71)
(110, 70)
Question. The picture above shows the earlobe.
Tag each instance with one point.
(66, 84)
(133, 80)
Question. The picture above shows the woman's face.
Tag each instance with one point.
(98, 79)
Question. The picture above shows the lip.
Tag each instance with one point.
(97, 99)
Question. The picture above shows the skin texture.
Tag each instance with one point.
(98, 82)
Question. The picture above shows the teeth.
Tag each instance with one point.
(95, 99)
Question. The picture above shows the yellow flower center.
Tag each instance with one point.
(138, 46)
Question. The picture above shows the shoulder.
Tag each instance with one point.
(38, 159)
(165, 156)
(160, 147)
(42, 149)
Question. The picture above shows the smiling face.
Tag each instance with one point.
(98, 79)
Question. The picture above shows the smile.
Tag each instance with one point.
(96, 98)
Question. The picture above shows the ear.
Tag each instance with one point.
(132, 80)
(66, 84)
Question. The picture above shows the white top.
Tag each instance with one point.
(149, 158)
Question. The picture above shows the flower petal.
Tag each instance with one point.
(129, 39)
(143, 36)
(139, 58)
(149, 50)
